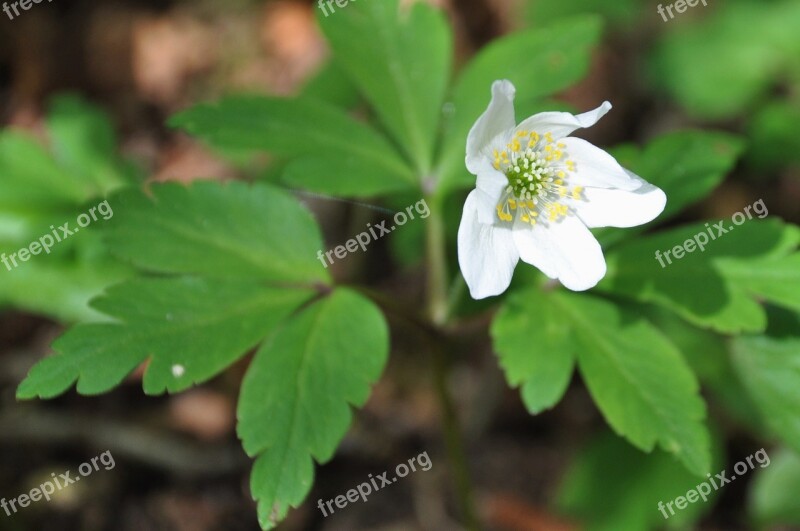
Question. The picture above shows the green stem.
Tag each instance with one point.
(437, 265)
(440, 306)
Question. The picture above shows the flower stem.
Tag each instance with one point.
(439, 308)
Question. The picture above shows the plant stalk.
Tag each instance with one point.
(439, 306)
(437, 265)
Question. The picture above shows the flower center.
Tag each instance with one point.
(529, 175)
(538, 174)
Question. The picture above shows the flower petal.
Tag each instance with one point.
(495, 121)
(604, 207)
(561, 124)
(490, 181)
(487, 254)
(564, 250)
(485, 206)
(596, 168)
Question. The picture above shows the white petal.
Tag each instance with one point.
(535, 247)
(603, 207)
(561, 124)
(487, 254)
(485, 206)
(596, 168)
(491, 181)
(564, 250)
(497, 120)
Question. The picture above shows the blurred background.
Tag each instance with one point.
(111, 73)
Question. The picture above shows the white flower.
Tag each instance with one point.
(538, 192)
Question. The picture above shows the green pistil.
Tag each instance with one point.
(528, 176)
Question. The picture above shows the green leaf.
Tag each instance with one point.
(770, 370)
(637, 378)
(331, 85)
(84, 143)
(199, 325)
(639, 381)
(32, 180)
(341, 178)
(533, 342)
(630, 495)
(774, 495)
(708, 355)
(60, 283)
(773, 130)
(401, 63)
(341, 150)
(539, 62)
(46, 186)
(228, 231)
(294, 404)
(257, 247)
(717, 288)
(61, 286)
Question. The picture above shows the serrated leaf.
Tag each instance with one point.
(637, 378)
(296, 396)
(770, 370)
(311, 129)
(773, 499)
(400, 62)
(215, 230)
(199, 325)
(708, 354)
(539, 62)
(717, 288)
(533, 343)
